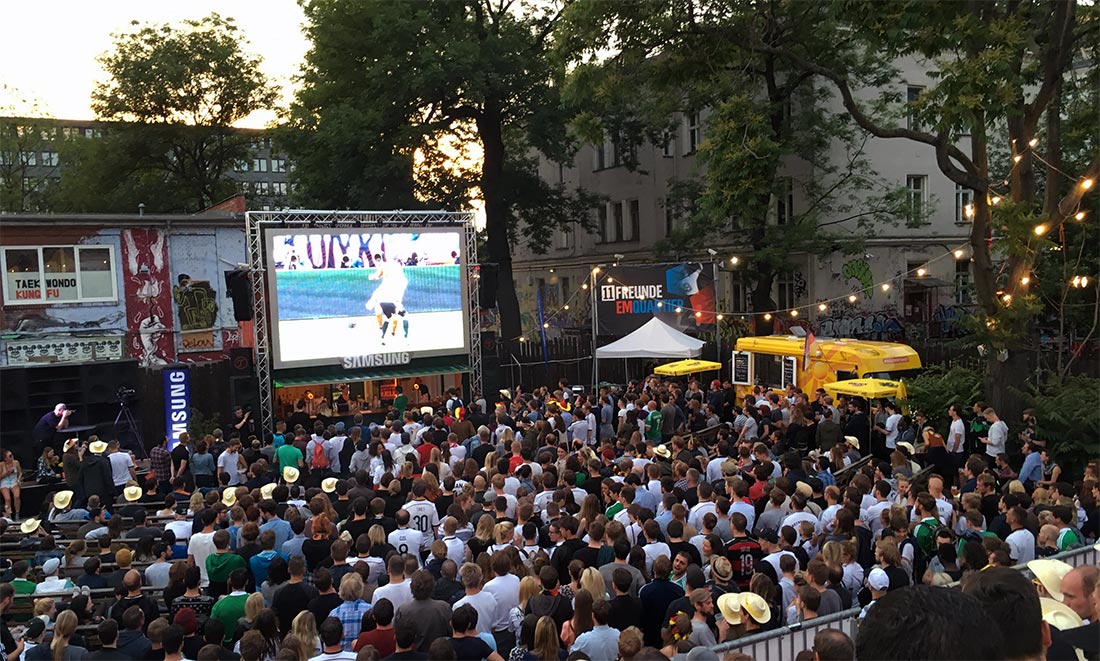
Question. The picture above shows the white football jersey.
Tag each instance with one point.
(407, 540)
(423, 516)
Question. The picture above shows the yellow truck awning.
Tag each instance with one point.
(869, 388)
(690, 366)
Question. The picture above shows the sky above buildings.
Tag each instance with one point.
(48, 48)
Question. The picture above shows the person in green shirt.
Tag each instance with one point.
(221, 563)
(288, 455)
(653, 422)
(230, 608)
(21, 583)
(1062, 517)
(925, 531)
(973, 532)
(400, 403)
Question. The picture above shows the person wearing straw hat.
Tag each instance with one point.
(290, 474)
(746, 609)
(63, 509)
(1007, 597)
(95, 473)
(1048, 575)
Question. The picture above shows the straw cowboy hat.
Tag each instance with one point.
(1059, 615)
(662, 451)
(98, 447)
(908, 446)
(1050, 573)
(290, 474)
(229, 496)
(266, 491)
(131, 493)
(61, 499)
(69, 444)
(328, 485)
(731, 606)
(852, 441)
(29, 526)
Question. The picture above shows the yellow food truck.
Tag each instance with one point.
(777, 360)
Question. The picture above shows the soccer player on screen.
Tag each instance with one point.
(388, 298)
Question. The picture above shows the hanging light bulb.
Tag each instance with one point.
(821, 307)
(546, 324)
(959, 253)
(610, 279)
(794, 313)
(734, 260)
(1076, 282)
(522, 339)
(996, 200)
(1041, 229)
(1016, 158)
(660, 304)
(1033, 142)
(721, 317)
(852, 298)
(1080, 215)
(886, 286)
(1087, 183)
(767, 316)
(920, 272)
(1007, 298)
(679, 309)
(565, 307)
(595, 269)
(584, 285)
(698, 315)
(969, 210)
(1025, 280)
(1084, 281)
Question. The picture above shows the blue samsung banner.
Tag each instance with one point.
(177, 403)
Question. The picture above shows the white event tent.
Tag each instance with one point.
(655, 339)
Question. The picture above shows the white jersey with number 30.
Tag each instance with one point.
(423, 516)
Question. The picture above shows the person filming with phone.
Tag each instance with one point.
(49, 424)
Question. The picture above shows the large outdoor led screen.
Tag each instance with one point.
(335, 296)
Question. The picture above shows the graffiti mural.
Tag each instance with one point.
(196, 302)
(951, 319)
(800, 287)
(148, 296)
(883, 325)
(859, 270)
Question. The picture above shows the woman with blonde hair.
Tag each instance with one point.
(252, 607)
(592, 580)
(293, 646)
(482, 539)
(304, 626)
(528, 587)
(63, 630)
(503, 536)
(547, 646)
(436, 458)
(490, 466)
(195, 504)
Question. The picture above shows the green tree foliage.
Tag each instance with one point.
(1000, 71)
(1068, 414)
(175, 92)
(24, 183)
(936, 389)
(769, 133)
(390, 84)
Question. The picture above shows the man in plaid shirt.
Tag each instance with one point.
(350, 613)
(160, 460)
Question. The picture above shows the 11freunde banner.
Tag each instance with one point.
(640, 293)
(177, 402)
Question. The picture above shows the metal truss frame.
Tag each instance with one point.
(256, 222)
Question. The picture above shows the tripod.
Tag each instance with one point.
(126, 418)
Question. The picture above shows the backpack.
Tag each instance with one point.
(934, 529)
(319, 458)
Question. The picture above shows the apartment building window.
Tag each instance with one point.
(963, 292)
(693, 132)
(739, 294)
(68, 132)
(617, 223)
(278, 165)
(565, 290)
(92, 133)
(240, 166)
(599, 157)
(912, 93)
(668, 145)
(964, 198)
(29, 157)
(785, 291)
(601, 223)
(278, 188)
(50, 158)
(918, 196)
(784, 202)
(562, 238)
(56, 274)
(259, 164)
(263, 188)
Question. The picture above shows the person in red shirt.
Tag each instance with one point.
(381, 636)
(516, 460)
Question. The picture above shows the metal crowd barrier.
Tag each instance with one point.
(786, 642)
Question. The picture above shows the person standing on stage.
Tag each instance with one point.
(52, 422)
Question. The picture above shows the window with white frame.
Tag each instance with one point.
(278, 188)
(278, 165)
(693, 132)
(964, 199)
(912, 93)
(632, 225)
(784, 202)
(668, 145)
(964, 293)
(739, 294)
(263, 188)
(34, 275)
(259, 164)
(616, 222)
(49, 159)
(918, 196)
(241, 166)
(28, 157)
(601, 223)
(785, 291)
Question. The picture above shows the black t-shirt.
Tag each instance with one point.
(46, 427)
(470, 648)
(180, 455)
(322, 605)
(687, 547)
(288, 602)
(587, 555)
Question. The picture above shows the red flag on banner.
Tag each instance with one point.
(806, 351)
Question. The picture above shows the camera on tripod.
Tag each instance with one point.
(125, 394)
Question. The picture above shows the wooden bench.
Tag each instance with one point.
(705, 437)
(23, 605)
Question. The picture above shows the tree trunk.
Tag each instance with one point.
(490, 129)
(762, 301)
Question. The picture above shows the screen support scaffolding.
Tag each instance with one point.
(256, 222)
